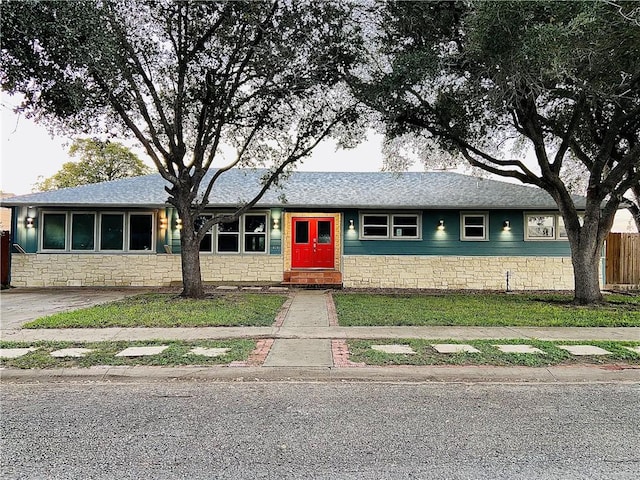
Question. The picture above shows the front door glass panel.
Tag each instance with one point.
(324, 232)
(302, 231)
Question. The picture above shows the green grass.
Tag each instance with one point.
(360, 351)
(540, 310)
(104, 353)
(165, 310)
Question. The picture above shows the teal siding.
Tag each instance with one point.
(275, 234)
(163, 235)
(27, 238)
(447, 242)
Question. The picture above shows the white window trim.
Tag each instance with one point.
(362, 225)
(241, 234)
(217, 236)
(485, 226)
(267, 223)
(557, 218)
(418, 226)
(390, 216)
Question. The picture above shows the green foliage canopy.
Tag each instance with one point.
(559, 78)
(99, 161)
(243, 83)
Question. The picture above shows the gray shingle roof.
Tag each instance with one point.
(313, 190)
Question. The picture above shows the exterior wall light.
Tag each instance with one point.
(506, 226)
(441, 225)
(276, 223)
(351, 225)
(164, 223)
(178, 224)
(28, 222)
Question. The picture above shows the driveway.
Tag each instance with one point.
(21, 305)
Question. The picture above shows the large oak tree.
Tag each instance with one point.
(253, 83)
(562, 79)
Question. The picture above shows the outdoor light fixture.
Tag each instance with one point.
(351, 225)
(506, 226)
(29, 222)
(164, 223)
(178, 224)
(276, 224)
(441, 225)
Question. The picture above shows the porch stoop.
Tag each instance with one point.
(313, 277)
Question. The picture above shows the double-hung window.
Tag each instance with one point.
(247, 234)
(475, 226)
(379, 226)
(255, 233)
(405, 226)
(541, 227)
(375, 226)
(228, 237)
(545, 226)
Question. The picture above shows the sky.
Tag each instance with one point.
(28, 151)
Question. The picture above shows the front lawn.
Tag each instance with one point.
(485, 309)
(103, 353)
(170, 310)
(425, 354)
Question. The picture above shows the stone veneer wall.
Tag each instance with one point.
(83, 270)
(442, 272)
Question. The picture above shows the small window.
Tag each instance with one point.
(54, 231)
(302, 232)
(112, 231)
(324, 232)
(541, 227)
(82, 231)
(375, 226)
(405, 226)
(474, 226)
(140, 232)
(229, 237)
(255, 234)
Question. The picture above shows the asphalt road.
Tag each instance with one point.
(210, 430)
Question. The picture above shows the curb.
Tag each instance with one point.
(398, 374)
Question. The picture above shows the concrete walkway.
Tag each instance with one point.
(308, 310)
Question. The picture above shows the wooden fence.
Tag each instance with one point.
(623, 259)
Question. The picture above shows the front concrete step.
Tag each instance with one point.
(313, 278)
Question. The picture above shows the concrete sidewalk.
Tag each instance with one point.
(302, 349)
(286, 332)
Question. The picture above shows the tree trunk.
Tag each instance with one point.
(190, 256)
(586, 250)
(586, 274)
(191, 276)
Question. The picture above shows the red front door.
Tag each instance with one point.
(313, 242)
